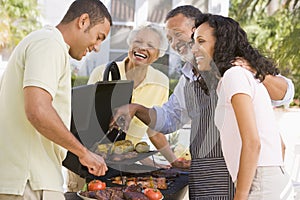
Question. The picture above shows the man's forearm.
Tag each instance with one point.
(146, 115)
(45, 119)
(276, 86)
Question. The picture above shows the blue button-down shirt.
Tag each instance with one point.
(173, 114)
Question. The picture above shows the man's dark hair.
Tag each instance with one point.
(94, 8)
(188, 11)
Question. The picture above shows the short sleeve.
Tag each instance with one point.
(237, 80)
(96, 75)
(45, 62)
(289, 95)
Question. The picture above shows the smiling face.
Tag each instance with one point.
(179, 31)
(203, 49)
(88, 38)
(144, 48)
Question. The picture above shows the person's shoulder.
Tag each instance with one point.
(96, 74)
(157, 75)
(48, 35)
(44, 43)
(238, 77)
(236, 71)
(156, 72)
(99, 69)
(47, 32)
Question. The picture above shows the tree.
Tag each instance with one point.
(18, 18)
(274, 28)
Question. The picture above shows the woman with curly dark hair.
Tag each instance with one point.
(251, 143)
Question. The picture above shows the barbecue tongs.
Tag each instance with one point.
(120, 128)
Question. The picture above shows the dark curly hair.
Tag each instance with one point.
(232, 42)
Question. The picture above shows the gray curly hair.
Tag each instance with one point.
(155, 28)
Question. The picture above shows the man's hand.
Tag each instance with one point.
(239, 61)
(181, 163)
(95, 163)
(125, 112)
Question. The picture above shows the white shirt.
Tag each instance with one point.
(239, 80)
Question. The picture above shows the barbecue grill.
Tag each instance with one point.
(92, 107)
(176, 190)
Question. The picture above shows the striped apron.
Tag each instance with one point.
(209, 178)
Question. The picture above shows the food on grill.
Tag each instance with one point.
(120, 157)
(153, 194)
(117, 193)
(142, 147)
(160, 183)
(122, 146)
(135, 196)
(107, 194)
(129, 183)
(144, 182)
(133, 188)
(89, 194)
(103, 148)
(122, 150)
(104, 194)
(96, 185)
(134, 192)
(167, 173)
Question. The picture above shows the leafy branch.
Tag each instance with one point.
(274, 33)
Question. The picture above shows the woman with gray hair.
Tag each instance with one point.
(151, 87)
(149, 29)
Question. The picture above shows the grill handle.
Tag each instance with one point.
(112, 68)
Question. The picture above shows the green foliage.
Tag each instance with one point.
(172, 83)
(274, 33)
(79, 80)
(18, 18)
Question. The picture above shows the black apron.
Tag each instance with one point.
(209, 178)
